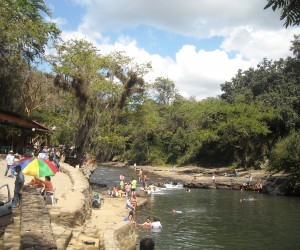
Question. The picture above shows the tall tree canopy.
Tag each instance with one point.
(24, 35)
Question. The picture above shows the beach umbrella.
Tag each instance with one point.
(36, 167)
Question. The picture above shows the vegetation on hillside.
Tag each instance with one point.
(103, 106)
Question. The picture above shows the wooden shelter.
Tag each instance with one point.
(17, 133)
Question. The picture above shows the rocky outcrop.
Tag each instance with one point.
(281, 185)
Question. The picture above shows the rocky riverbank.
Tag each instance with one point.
(261, 180)
(75, 225)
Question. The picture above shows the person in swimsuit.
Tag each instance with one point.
(147, 223)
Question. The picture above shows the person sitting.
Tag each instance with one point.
(134, 201)
(147, 244)
(129, 205)
(35, 182)
(115, 191)
(130, 217)
(48, 187)
(110, 192)
(147, 223)
(96, 200)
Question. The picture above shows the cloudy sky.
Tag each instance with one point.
(199, 44)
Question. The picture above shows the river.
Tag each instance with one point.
(215, 219)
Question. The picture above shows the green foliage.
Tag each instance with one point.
(164, 89)
(285, 156)
(24, 35)
(290, 10)
(23, 28)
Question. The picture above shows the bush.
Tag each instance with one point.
(285, 156)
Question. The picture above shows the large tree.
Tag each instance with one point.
(24, 35)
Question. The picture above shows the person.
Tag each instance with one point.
(57, 155)
(214, 178)
(19, 185)
(134, 201)
(9, 162)
(176, 212)
(235, 174)
(48, 190)
(130, 217)
(129, 205)
(127, 188)
(133, 186)
(96, 200)
(122, 184)
(156, 223)
(248, 180)
(145, 180)
(147, 223)
(44, 154)
(115, 191)
(194, 181)
(140, 175)
(35, 182)
(147, 244)
(188, 190)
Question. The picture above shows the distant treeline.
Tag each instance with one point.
(103, 106)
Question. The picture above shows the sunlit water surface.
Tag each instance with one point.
(215, 219)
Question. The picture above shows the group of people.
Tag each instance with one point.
(45, 186)
(51, 154)
(124, 189)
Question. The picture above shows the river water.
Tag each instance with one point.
(215, 219)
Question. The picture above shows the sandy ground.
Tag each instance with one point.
(112, 210)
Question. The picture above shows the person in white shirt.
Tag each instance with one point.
(9, 161)
(156, 225)
(44, 154)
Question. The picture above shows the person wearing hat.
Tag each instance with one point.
(9, 161)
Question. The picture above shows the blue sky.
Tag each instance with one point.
(199, 44)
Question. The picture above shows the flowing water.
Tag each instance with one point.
(215, 219)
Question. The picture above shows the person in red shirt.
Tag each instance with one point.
(48, 185)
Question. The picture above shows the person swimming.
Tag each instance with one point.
(176, 212)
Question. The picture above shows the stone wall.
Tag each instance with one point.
(120, 237)
(79, 206)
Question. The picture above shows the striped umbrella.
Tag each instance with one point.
(36, 167)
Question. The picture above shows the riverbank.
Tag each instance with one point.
(74, 223)
(269, 183)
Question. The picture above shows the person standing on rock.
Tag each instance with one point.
(133, 186)
(19, 184)
(140, 175)
(194, 181)
(235, 174)
(214, 178)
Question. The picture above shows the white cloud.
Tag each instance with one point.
(259, 44)
(249, 34)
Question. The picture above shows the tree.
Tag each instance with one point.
(165, 90)
(290, 10)
(285, 157)
(24, 35)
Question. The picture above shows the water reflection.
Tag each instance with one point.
(216, 219)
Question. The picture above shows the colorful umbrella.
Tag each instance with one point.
(36, 167)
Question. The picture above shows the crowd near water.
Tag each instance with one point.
(208, 219)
